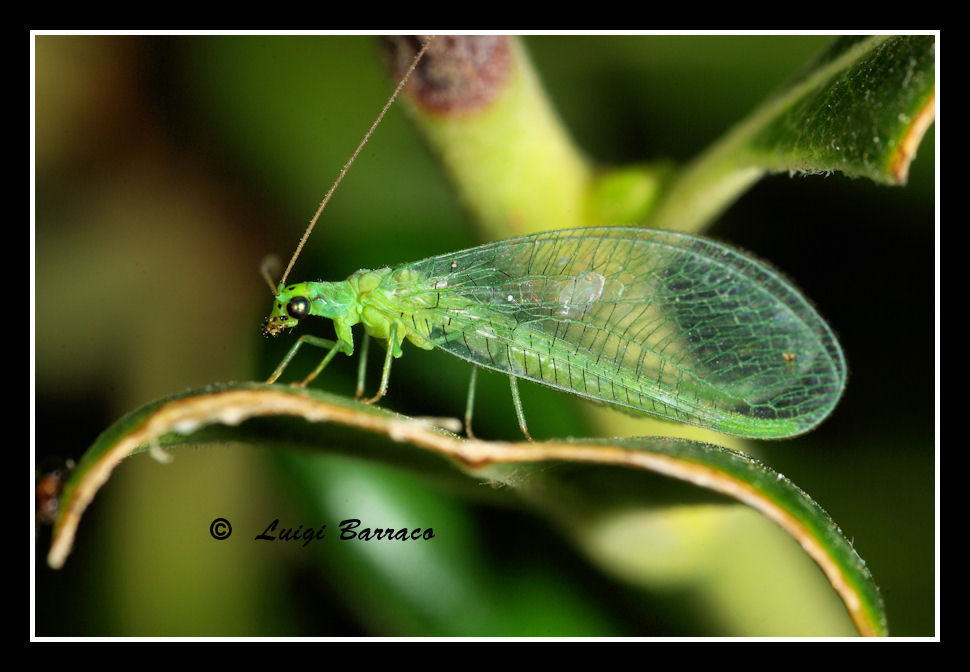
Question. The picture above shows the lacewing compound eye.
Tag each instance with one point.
(298, 308)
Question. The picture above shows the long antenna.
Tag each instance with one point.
(323, 204)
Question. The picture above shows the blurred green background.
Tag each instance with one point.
(167, 167)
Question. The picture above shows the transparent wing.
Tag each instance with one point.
(649, 321)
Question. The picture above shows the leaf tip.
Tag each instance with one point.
(906, 152)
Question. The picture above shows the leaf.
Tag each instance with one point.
(254, 413)
(861, 108)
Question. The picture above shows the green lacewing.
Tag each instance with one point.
(649, 322)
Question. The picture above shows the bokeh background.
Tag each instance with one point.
(167, 167)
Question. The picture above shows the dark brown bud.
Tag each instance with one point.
(458, 74)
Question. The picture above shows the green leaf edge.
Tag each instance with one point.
(170, 420)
